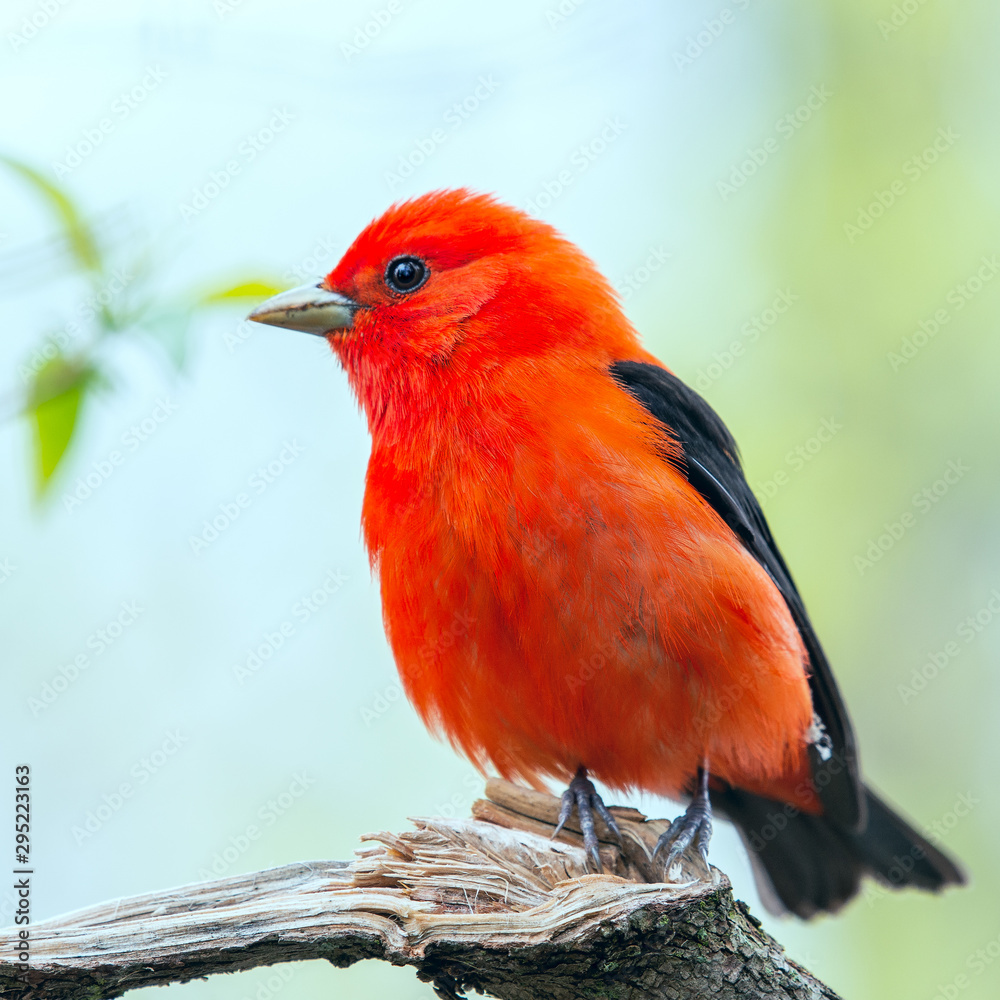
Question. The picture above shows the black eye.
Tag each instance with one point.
(404, 274)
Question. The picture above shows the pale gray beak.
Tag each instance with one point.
(308, 308)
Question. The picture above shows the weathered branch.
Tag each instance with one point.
(488, 904)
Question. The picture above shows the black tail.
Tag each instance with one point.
(810, 864)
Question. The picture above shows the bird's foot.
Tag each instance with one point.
(694, 826)
(582, 794)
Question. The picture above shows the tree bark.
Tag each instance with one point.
(489, 904)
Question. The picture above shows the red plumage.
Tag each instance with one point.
(555, 593)
(565, 582)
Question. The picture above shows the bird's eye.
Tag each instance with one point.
(405, 274)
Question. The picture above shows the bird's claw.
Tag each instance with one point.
(693, 826)
(582, 794)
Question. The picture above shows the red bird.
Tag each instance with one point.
(576, 578)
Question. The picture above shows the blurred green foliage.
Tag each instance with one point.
(879, 215)
(59, 382)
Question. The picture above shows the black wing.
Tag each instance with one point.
(711, 463)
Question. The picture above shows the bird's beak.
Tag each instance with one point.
(309, 308)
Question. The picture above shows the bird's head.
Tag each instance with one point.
(443, 291)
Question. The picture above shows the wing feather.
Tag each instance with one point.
(711, 463)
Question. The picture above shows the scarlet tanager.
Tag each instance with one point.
(576, 578)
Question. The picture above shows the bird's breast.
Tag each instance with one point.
(569, 599)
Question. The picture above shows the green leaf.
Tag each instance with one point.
(78, 234)
(245, 291)
(54, 406)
